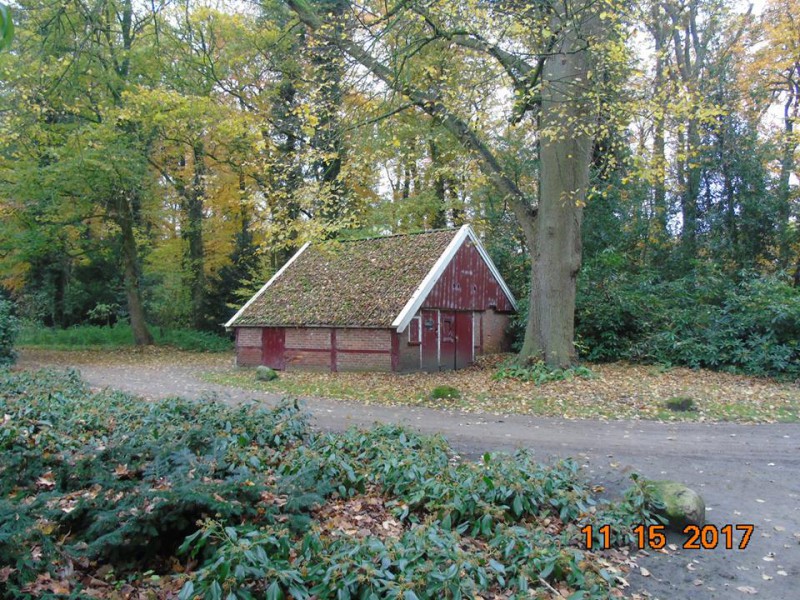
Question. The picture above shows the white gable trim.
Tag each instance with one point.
(492, 268)
(421, 293)
(402, 320)
(266, 285)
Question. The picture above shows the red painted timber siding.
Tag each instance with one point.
(467, 284)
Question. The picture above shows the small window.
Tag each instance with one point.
(415, 332)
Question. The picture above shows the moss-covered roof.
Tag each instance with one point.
(361, 283)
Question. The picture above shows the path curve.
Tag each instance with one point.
(746, 473)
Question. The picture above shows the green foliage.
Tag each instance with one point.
(446, 392)
(538, 372)
(119, 336)
(471, 526)
(124, 482)
(265, 373)
(6, 27)
(9, 328)
(703, 319)
(640, 504)
(103, 477)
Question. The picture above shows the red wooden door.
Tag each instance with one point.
(447, 340)
(463, 339)
(430, 341)
(273, 340)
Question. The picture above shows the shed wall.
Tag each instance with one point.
(248, 346)
(322, 348)
(467, 284)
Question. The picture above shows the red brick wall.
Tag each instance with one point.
(308, 337)
(360, 361)
(363, 339)
(309, 348)
(248, 346)
(409, 354)
(376, 342)
(304, 360)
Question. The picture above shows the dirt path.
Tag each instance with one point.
(746, 473)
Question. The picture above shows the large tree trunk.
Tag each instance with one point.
(195, 254)
(790, 114)
(130, 263)
(564, 179)
(660, 232)
(691, 191)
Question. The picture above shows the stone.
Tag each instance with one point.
(682, 505)
(265, 373)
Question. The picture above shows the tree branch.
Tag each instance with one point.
(430, 103)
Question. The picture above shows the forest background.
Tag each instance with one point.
(159, 161)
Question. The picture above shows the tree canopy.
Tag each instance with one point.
(165, 159)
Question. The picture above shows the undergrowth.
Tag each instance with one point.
(222, 502)
(538, 372)
(119, 336)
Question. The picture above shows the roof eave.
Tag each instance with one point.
(272, 279)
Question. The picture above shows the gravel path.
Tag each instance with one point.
(746, 473)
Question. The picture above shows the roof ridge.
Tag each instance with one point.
(393, 235)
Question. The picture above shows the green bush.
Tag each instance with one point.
(105, 479)
(704, 319)
(9, 328)
(120, 336)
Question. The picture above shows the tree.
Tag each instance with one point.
(70, 90)
(560, 87)
(777, 69)
(6, 27)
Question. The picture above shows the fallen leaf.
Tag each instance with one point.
(746, 589)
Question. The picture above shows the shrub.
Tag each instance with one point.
(538, 372)
(447, 392)
(680, 404)
(120, 336)
(704, 319)
(9, 328)
(103, 479)
(265, 373)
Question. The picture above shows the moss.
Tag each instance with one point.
(266, 374)
(370, 281)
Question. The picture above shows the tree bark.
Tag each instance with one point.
(790, 114)
(564, 180)
(130, 263)
(659, 162)
(195, 252)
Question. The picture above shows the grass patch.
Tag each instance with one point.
(615, 391)
(445, 392)
(173, 498)
(87, 337)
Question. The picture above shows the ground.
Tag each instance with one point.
(747, 473)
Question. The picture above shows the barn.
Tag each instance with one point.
(427, 301)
